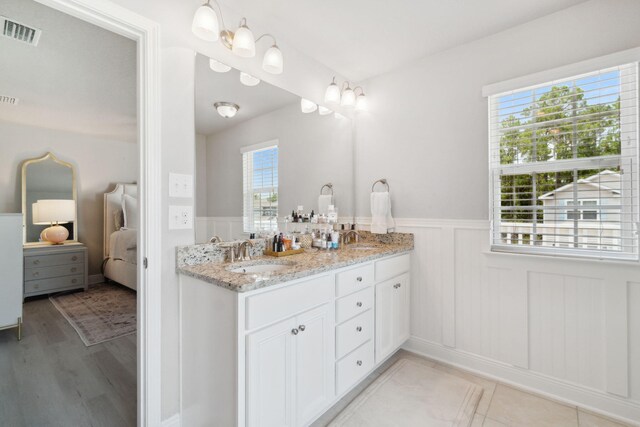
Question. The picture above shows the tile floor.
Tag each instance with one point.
(501, 405)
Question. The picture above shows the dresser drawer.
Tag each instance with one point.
(54, 271)
(55, 284)
(353, 367)
(56, 259)
(392, 267)
(353, 280)
(352, 333)
(354, 304)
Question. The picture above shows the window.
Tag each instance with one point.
(260, 187)
(564, 166)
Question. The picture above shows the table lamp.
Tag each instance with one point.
(54, 212)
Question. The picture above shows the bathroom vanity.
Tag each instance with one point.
(276, 342)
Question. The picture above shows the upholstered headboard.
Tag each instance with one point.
(113, 203)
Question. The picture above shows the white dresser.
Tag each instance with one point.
(11, 272)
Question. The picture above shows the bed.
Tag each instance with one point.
(120, 242)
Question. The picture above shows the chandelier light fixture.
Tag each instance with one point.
(208, 24)
(226, 109)
(345, 96)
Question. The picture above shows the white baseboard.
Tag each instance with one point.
(173, 421)
(606, 404)
(95, 279)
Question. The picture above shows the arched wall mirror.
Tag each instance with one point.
(54, 181)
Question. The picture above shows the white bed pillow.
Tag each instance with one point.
(130, 210)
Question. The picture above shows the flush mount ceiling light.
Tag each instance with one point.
(346, 97)
(323, 111)
(307, 106)
(248, 79)
(218, 66)
(226, 109)
(209, 26)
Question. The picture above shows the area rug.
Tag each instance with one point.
(410, 394)
(102, 313)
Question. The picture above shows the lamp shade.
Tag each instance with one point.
(51, 211)
(218, 66)
(361, 102)
(272, 61)
(332, 94)
(324, 110)
(307, 106)
(348, 98)
(244, 44)
(205, 23)
(248, 79)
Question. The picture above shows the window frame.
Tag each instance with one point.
(248, 224)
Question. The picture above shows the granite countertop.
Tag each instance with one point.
(197, 261)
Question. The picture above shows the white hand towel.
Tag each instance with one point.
(381, 220)
(324, 200)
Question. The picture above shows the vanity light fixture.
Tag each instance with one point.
(218, 66)
(248, 79)
(348, 98)
(307, 106)
(323, 111)
(332, 94)
(209, 26)
(345, 96)
(226, 109)
(361, 100)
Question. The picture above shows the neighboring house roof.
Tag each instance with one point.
(589, 181)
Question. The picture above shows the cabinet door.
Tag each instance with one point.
(270, 365)
(392, 315)
(314, 363)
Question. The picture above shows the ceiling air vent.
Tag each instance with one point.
(8, 100)
(19, 32)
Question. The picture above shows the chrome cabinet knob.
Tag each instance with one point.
(74, 258)
(359, 278)
(359, 304)
(397, 285)
(302, 328)
(294, 331)
(359, 329)
(359, 363)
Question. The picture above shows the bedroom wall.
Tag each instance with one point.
(563, 327)
(99, 163)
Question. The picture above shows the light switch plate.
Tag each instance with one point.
(180, 185)
(180, 217)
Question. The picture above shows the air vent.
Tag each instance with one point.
(20, 32)
(8, 100)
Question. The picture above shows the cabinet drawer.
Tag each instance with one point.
(351, 334)
(391, 267)
(269, 307)
(354, 367)
(53, 271)
(55, 284)
(57, 259)
(353, 280)
(354, 304)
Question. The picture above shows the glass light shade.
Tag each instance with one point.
(323, 111)
(244, 44)
(272, 61)
(361, 102)
(51, 211)
(218, 66)
(332, 94)
(348, 98)
(226, 109)
(248, 79)
(307, 106)
(205, 23)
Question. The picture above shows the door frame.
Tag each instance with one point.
(145, 33)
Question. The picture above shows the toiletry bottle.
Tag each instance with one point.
(274, 247)
(280, 243)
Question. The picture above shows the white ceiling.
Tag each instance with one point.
(364, 38)
(80, 78)
(254, 101)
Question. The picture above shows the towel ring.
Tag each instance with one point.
(381, 181)
(329, 186)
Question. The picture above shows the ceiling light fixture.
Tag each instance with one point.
(218, 66)
(226, 109)
(248, 79)
(345, 96)
(307, 106)
(209, 26)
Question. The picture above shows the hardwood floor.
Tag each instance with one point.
(51, 379)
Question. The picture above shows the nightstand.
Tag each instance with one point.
(55, 268)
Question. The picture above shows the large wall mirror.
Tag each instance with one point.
(313, 149)
(48, 179)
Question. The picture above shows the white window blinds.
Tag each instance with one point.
(564, 166)
(260, 187)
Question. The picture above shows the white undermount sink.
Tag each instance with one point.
(259, 268)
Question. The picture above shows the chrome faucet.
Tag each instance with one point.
(243, 250)
(215, 239)
(346, 237)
